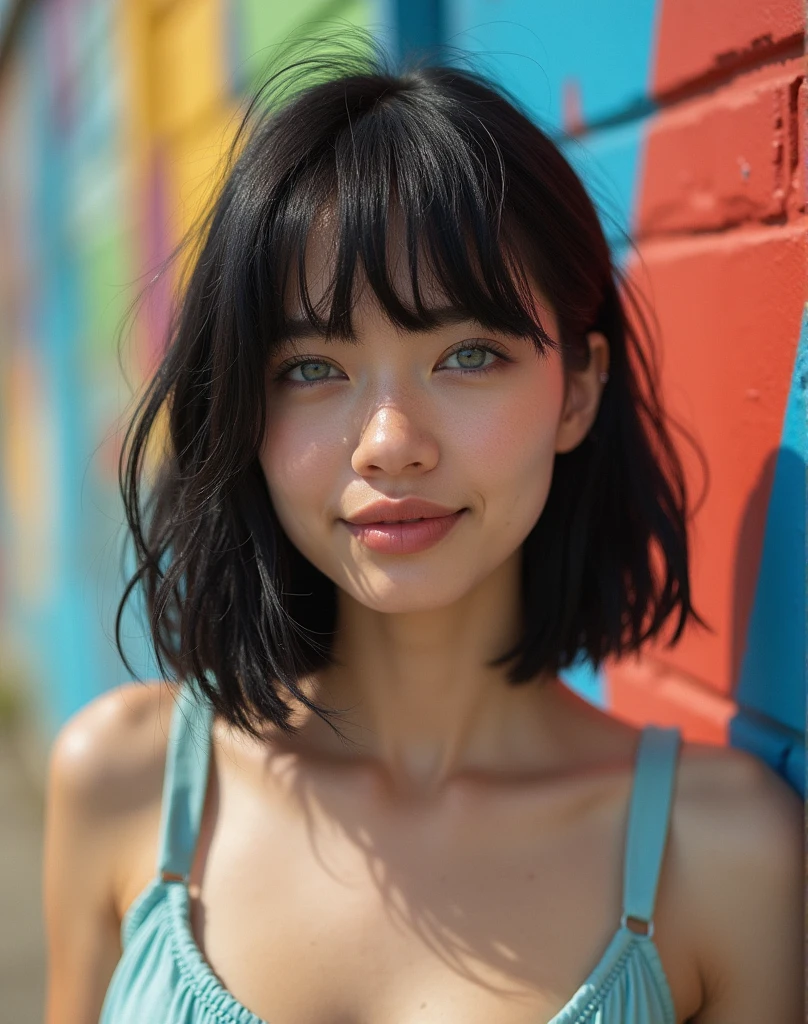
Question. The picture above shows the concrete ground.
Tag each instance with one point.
(22, 940)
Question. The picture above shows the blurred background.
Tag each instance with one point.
(687, 120)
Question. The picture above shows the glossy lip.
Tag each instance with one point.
(407, 538)
(387, 511)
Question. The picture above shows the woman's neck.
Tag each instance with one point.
(418, 698)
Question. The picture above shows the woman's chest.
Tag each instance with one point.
(471, 911)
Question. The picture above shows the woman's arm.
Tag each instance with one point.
(749, 911)
(105, 767)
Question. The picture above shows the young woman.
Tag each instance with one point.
(413, 463)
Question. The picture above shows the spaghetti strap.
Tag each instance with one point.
(649, 819)
(184, 783)
(163, 974)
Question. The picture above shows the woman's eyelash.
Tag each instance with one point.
(488, 346)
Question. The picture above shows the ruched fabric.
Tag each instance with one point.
(162, 976)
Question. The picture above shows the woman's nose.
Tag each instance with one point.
(392, 443)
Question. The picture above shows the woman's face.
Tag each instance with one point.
(462, 416)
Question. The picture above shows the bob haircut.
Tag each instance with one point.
(486, 198)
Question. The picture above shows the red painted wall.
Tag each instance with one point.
(721, 226)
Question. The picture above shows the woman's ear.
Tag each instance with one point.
(583, 393)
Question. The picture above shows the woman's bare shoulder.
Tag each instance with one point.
(103, 800)
(737, 834)
(733, 790)
(108, 758)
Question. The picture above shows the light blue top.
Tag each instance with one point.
(162, 975)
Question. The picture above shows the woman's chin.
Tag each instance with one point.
(396, 597)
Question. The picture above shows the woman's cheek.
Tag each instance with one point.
(515, 436)
(300, 457)
(514, 455)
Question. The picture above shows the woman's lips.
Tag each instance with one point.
(404, 538)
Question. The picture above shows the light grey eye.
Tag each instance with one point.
(470, 358)
(320, 371)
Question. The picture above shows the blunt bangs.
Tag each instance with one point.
(440, 168)
(393, 183)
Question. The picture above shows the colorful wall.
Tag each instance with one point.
(687, 120)
(113, 115)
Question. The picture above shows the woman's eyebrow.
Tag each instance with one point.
(298, 328)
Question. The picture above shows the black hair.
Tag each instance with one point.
(486, 198)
